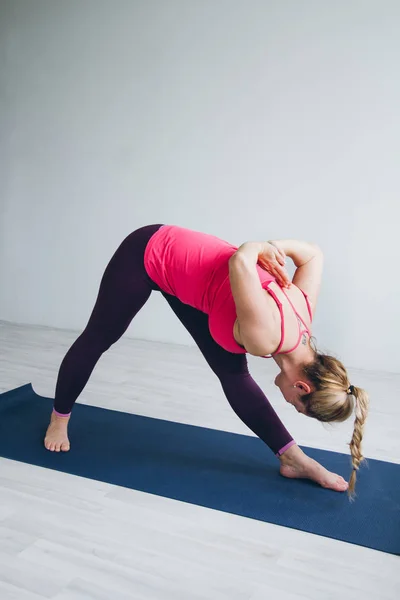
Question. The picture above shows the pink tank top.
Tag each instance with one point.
(194, 267)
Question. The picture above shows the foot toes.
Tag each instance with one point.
(57, 446)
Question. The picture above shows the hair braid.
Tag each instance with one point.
(361, 412)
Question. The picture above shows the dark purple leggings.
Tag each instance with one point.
(124, 289)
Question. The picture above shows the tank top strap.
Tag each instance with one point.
(308, 304)
(280, 306)
(294, 309)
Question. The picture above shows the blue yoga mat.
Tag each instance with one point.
(224, 471)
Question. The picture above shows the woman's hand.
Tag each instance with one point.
(269, 255)
(272, 258)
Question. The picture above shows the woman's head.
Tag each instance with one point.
(332, 398)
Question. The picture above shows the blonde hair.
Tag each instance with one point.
(331, 401)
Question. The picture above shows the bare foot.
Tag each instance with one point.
(56, 439)
(298, 465)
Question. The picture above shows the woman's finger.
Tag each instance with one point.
(283, 276)
(277, 270)
(280, 250)
(280, 259)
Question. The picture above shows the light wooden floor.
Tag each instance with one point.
(68, 538)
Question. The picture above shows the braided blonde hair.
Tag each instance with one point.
(334, 399)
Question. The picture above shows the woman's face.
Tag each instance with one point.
(292, 390)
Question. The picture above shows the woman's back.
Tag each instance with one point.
(194, 267)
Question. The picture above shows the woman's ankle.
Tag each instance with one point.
(292, 455)
(59, 417)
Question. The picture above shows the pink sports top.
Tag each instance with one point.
(194, 267)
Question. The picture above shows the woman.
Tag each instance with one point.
(232, 301)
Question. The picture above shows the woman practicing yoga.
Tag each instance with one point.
(232, 301)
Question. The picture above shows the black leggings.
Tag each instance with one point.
(124, 289)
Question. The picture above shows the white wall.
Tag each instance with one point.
(248, 119)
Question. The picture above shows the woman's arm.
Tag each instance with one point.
(300, 252)
(309, 260)
(253, 313)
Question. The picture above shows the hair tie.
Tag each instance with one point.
(350, 391)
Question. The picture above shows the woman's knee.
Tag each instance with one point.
(97, 340)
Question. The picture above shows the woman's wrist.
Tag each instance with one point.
(299, 251)
(250, 251)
